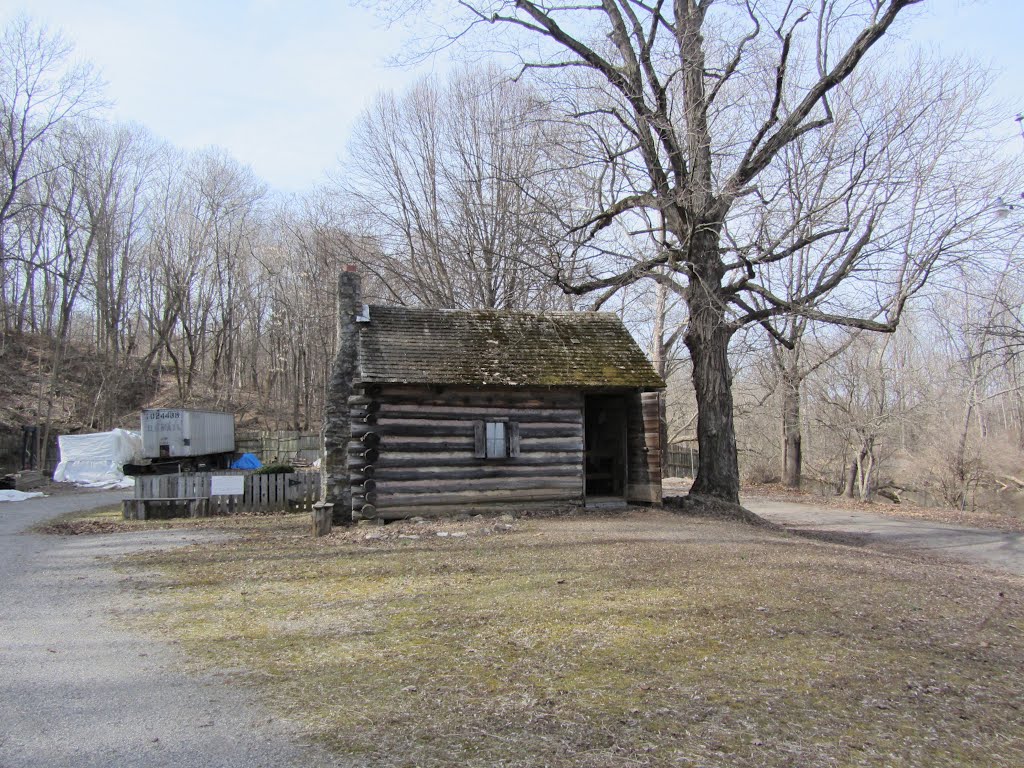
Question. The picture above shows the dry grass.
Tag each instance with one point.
(111, 520)
(1002, 520)
(646, 640)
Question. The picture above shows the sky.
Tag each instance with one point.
(280, 83)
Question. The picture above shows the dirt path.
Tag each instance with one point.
(77, 690)
(990, 548)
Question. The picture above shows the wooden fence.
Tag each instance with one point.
(274, 447)
(18, 451)
(11, 452)
(261, 493)
(682, 460)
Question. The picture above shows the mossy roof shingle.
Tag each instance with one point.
(484, 347)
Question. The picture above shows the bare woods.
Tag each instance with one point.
(799, 219)
(178, 270)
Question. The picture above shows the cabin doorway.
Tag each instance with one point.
(604, 437)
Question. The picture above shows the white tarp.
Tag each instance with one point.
(96, 460)
(20, 495)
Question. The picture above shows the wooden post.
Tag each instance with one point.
(322, 518)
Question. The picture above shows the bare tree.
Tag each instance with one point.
(450, 182)
(71, 246)
(40, 90)
(704, 97)
(858, 402)
(968, 318)
(885, 156)
(115, 167)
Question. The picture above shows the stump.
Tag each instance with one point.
(322, 515)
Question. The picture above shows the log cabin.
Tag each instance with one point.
(439, 412)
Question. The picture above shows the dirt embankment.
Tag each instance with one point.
(90, 393)
(85, 391)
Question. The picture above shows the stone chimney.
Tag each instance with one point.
(337, 422)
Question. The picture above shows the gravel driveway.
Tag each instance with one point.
(77, 691)
(989, 548)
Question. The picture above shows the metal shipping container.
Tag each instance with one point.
(182, 432)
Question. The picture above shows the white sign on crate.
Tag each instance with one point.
(227, 485)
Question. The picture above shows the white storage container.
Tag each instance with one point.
(182, 432)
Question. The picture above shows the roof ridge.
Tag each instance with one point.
(515, 312)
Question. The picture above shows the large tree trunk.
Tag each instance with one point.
(707, 338)
(860, 478)
(850, 480)
(1018, 399)
(791, 437)
(959, 468)
(866, 470)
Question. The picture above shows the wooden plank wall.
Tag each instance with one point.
(280, 446)
(12, 453)
(643, 441)
(262, 493)
(413, 450)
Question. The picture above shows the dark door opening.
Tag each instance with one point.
(605, 444)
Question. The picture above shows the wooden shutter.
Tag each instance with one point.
(513, 438)
(479, 440)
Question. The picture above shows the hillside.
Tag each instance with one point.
(25, 378)
(90, 396)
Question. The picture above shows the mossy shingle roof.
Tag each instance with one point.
(484, 347)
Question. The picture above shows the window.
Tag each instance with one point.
(497, 447)
(495, 439)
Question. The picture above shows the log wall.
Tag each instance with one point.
(412, 450)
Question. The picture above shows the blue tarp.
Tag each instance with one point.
(246, 461)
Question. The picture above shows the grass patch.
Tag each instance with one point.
(649, 640)
(111, 520)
